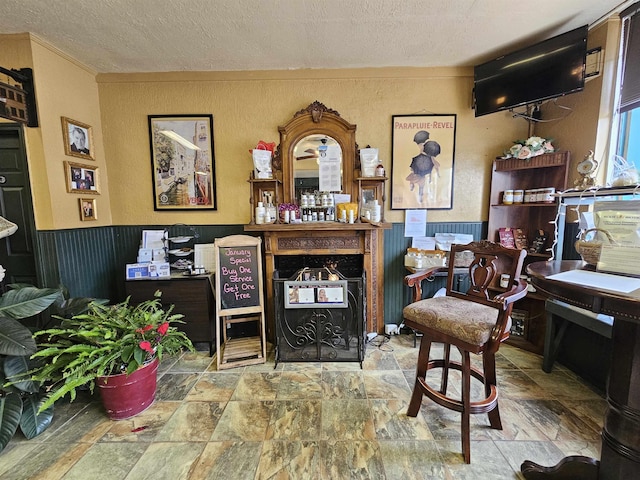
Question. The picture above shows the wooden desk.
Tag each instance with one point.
(192, 297)
(620, 456)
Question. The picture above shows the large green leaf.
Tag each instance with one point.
(33, 423)
(17, 367)
(15, 338)
(10, 413)
(27, 301)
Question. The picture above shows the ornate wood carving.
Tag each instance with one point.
(318, 243)
(316, 109)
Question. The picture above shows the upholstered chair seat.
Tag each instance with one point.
(470, 322)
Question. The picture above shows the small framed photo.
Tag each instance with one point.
(88, 209)
(315, 294)
(78, 139)
(81, 178)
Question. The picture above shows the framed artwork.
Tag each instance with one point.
(78, 139)
(81, 178)
(88, 209)
(422, 154)
(182, 161)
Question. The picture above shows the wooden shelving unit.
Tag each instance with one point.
(548, 170)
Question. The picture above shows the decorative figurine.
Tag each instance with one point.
(587, 169)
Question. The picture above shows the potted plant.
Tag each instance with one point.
(20, 401)
(116, 347)
(20, 397)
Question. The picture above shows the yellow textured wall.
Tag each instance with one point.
(585, 121)
(63, 87)
(249, 106)
(66, 88)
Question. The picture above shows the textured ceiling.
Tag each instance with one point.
(225, 35)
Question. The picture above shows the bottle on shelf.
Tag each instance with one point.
(260, 213)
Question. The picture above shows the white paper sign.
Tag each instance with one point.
(329, 179)
(415, 223)
(603, 281)
(424, 243)
(620, 259)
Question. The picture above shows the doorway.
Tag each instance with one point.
(17, 252)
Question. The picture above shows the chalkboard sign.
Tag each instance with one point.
(239, 274)
(239, 299)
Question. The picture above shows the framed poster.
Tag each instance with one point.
(78, 139)
(422, 154)
(81, 178)
(182, 160)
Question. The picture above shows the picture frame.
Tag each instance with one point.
(78, 139)
(88, 209)
(419, 178)
(82, 178)
(182, 162)
(315, 294)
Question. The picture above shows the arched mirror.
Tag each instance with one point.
(317, 164)
(317, 141)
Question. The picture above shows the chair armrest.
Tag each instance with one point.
(518, 291)
(415, 280)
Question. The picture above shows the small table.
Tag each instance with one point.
(192, 296)
(620, 456)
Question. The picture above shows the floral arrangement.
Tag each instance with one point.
(531, 147)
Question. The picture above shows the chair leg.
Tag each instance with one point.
(421, 372)
(466, 406)
(444, 380)
(489, 367)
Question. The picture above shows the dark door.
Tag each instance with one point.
(17, 252)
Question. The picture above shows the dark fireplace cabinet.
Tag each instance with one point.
(315, 331)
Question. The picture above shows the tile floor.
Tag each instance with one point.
(314, 421)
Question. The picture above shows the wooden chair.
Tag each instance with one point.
(475, 321)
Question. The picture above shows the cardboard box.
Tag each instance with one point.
(137, 271)
(159, 269)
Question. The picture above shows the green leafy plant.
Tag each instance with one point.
(20, 402)
(106, 340)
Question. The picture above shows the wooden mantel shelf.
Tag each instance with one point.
(315, 226)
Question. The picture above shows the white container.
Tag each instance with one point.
(518, 196)
(504, 280)
(376, 213)
(529, 196)
(260, 213)
(547, 195)
(507, 197)
(272, 213)
(287, 216)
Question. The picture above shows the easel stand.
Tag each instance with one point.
(239, 299)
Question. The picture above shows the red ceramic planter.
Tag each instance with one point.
(125, 396)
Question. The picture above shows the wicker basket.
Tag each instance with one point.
(590, 250)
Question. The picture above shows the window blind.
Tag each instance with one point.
(630, 90)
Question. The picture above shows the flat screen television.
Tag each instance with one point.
(549, 69)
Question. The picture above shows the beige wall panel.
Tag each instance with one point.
(249, 106)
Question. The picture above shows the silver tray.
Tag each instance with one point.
(181, 253)
(183, 239)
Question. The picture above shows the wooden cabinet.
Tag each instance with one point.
(543, 171)
(319, 244)
(192, 297)
(263, 189)
(371, 188)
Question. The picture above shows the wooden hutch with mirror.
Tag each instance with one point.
(350, 248)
